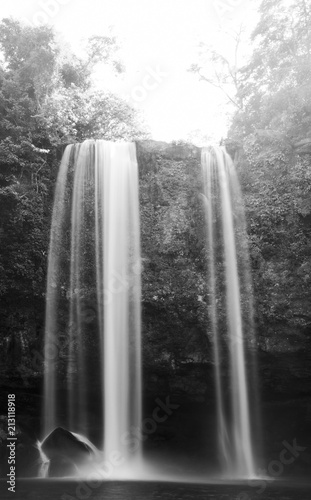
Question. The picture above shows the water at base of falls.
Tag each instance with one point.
(95, 238)
(229, 282)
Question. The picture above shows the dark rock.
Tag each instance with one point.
(173, 151)
(65, 452)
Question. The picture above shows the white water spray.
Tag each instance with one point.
(101, 246)
(233, 416)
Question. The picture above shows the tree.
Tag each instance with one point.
(46, 100)
(272, 134)
(220, 71)
(270, 139)
(276, 80)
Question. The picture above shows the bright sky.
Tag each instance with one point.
(159, 39)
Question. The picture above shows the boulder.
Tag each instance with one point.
(65, 452)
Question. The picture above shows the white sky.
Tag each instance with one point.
(157, 36)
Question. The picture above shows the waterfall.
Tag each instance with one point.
(229, 282)
(118, 271)
(53, 296)
(92, 382)
(92, 329)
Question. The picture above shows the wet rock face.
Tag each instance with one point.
(65, 452)
(175, 295)
(175, 322)
(173, 255)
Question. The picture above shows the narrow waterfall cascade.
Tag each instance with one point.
(92, 382)
(231, 313)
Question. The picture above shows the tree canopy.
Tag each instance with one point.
(270, 139)
(47, 100)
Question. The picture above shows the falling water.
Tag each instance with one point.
(92, 381)
(118, 271)
(97, 355)
(228, 268)
(53, 295)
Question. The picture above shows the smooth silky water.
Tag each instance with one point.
(95, 235)
(229, 284)
(104, 247)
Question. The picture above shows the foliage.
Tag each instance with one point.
(220, 71)
(47, 100)
(174, 261)
(276, 178)
(270, 140)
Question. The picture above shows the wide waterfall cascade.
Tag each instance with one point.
(93, 332)
(231, 311)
